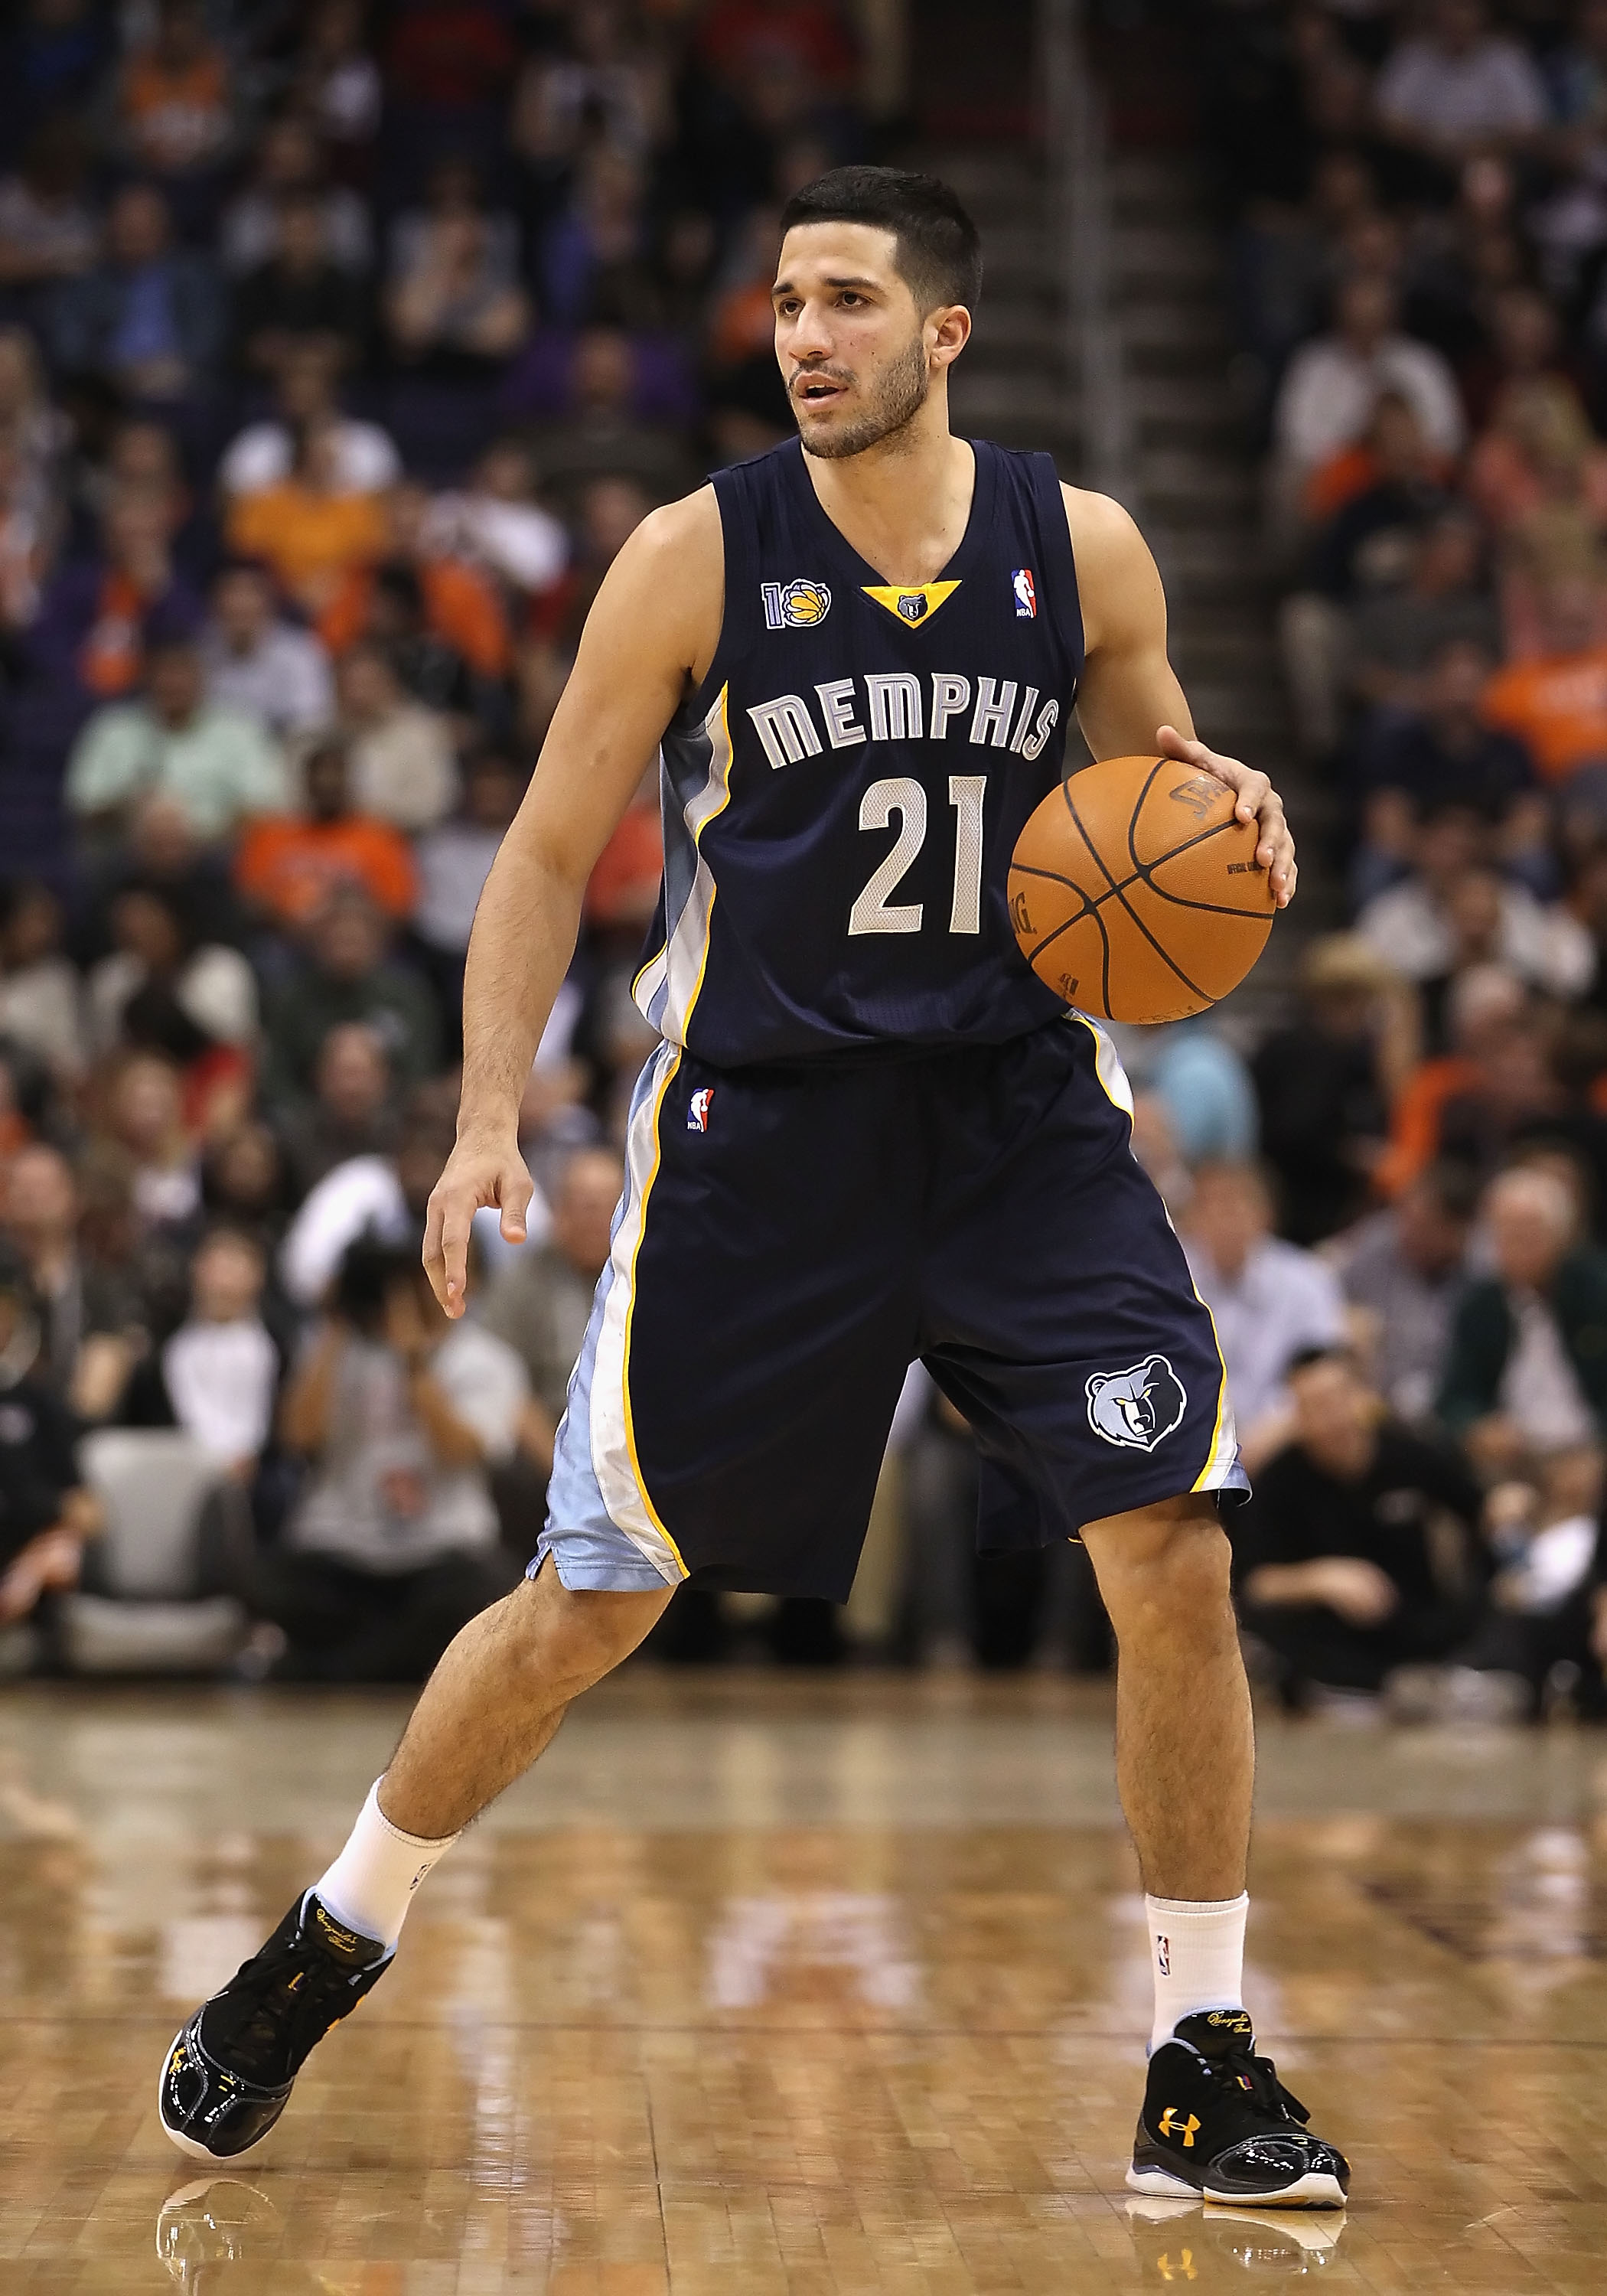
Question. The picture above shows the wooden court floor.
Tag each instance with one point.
(768, 1987)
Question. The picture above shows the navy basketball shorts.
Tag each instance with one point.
(790, 1239)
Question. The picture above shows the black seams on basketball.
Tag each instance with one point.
(1136, 893)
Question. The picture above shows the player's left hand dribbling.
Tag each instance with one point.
(1257, 801)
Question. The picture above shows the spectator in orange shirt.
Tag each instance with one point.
(1557, 703)
(288, 866)
(175, 104)
(311, 531)
(1485, 1005)
(460, 602)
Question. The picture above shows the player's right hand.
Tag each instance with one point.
(477, 1173)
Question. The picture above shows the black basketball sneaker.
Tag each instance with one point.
(229, 2073)
(1217, 2120)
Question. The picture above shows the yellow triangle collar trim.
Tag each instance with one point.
(914, 605)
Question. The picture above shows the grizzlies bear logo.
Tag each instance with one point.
(1135, 1409)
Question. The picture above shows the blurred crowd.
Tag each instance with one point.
(341, 347)
(340, 350)
(1401, 1225)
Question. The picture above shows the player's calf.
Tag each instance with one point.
(1216, 2120)
(489, 1708)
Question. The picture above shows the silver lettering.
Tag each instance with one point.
(895, 697)
(949, 696)
(1025, 719)
(786, 729)
(1048, 717)
(837, 708)
(995, 706)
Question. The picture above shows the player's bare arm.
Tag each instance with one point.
(1129, 701)
(651, 632)
(849, 1039)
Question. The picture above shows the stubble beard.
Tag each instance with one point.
(905, 388)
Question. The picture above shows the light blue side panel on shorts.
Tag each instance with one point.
(589, 1550)
(590, 1553)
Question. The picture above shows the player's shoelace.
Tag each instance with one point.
(276, 2009)
(1258, 2078)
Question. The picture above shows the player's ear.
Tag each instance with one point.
(947, 332)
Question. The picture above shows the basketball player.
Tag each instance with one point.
(869, 1134)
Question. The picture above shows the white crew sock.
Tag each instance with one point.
(370, 1886)
(1196, 1956)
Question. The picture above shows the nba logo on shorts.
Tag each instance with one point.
(698, 1108)
(1026, 595)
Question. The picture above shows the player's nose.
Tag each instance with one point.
(809, 334)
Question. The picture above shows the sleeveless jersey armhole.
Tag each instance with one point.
(1059, 562)
(742, 605)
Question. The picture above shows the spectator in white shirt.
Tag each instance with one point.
(1451, 913)
(497, 522)
(1270, 1299)
(1458, 88)
(41, 997)
(288, 163)
(398, 752)
(157, 959)
(382, 1196)
(1332, 384)
(217, 1375)
(394, 1543)
(257, 663)
(364, 457)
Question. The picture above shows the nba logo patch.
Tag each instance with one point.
(698, 1108)
(1026, 595)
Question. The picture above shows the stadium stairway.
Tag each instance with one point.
(1198, 501)
(1194, 481)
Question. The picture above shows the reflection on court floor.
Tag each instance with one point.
(771, 1986)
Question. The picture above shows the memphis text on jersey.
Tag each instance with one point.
(898, 706)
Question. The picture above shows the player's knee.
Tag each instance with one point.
(568, 1639)
(1164, 1568)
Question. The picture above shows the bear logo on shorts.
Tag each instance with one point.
(1135, 1408)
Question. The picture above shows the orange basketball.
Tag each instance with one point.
(1135, 893)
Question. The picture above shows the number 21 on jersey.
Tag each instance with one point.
(873, 912)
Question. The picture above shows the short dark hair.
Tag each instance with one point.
(370, 1267)
(1333, 1352)
(1454, 1188)
(938, 248)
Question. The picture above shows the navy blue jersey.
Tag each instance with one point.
(843, 792)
